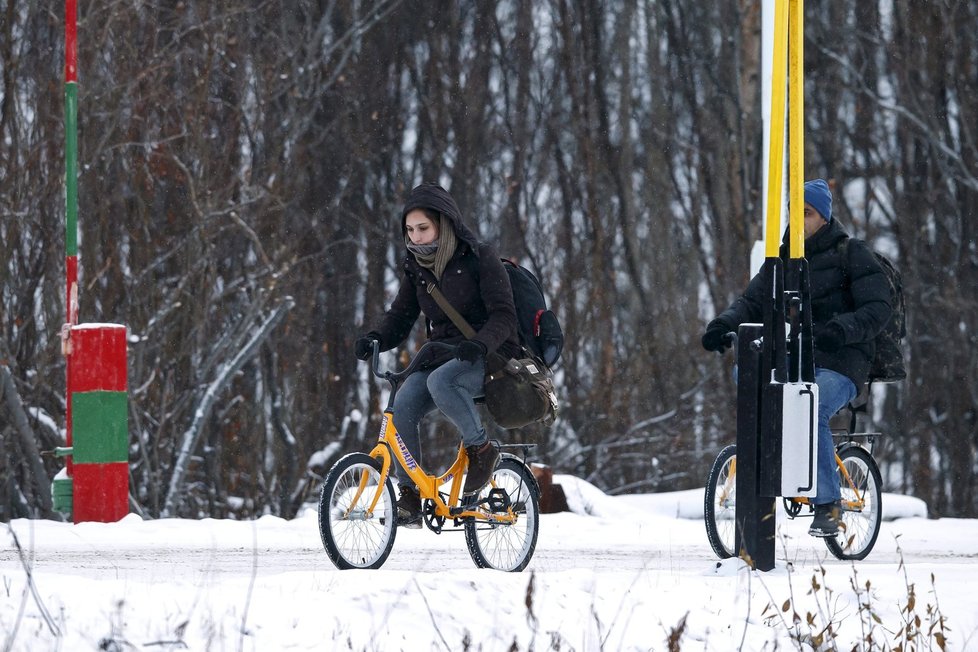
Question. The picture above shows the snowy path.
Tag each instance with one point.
(622, 578)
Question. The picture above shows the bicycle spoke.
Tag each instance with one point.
(506, 545)
(720, 503)
(861, 509)
(353, 536)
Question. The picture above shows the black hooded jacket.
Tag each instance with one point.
(474, 282)
(853, 294)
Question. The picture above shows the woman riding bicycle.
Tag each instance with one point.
(848, 310)
(443, 252)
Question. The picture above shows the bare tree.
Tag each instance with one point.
(234, 154)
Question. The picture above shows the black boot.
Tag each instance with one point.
(482, 462)
(826, 522)
(409, 507)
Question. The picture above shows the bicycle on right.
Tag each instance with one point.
(859, 477)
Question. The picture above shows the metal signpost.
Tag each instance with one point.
(777, 399)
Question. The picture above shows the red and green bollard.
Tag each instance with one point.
(98, 426)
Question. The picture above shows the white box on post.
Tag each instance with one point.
(799, 440)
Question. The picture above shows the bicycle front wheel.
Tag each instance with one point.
(354, 535)
(507, 546)
(720, 503)
(861, 506)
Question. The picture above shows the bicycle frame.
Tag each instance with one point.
(390, 448)
(848, 505)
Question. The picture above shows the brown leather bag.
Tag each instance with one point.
(519, 393)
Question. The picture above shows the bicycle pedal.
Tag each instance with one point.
(497, 500)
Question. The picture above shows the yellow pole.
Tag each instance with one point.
(775, 175)
(796, 128)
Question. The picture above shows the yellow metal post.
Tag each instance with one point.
(788, 79)
(796, 128)
(772, 237)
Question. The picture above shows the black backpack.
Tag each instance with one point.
(540, 332)
(888, 365)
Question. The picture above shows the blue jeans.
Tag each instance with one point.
(834, 391)
(451, 388)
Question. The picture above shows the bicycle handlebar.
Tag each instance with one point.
(397, 376)
(731, 338)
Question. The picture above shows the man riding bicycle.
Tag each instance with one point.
(850, 304)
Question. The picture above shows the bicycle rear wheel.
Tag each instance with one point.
(720, 503)
(354, 536)
(507, 546)
(861, 506)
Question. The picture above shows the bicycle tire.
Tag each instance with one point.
(352, 537)
(720, 503)
(858, 529)
(505, 546)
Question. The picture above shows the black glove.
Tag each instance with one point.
(470, 351)
(830, 339)
(364, 346)
(715, 337)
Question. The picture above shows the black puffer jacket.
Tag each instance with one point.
(474, 282)
(853, 293)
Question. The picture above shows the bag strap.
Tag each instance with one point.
(449, 310)
(463, 325)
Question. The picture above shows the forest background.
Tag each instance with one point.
(242, 165)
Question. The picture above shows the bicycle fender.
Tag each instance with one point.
(516, 458)
(510, 456)
(844, 446)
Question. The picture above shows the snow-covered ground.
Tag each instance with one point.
(616, 573)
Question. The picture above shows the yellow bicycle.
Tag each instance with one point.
(859, 479)
(358, 511)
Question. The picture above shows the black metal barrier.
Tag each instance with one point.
(767, 363)
(755, 514)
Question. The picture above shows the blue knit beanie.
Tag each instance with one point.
(817, 194)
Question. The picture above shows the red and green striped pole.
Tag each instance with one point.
(71, 183)
(94, 485)
(71, 160)
(61, 488)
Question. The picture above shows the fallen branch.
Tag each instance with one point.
(28, 442)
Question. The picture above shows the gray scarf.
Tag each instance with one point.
(435, 255)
